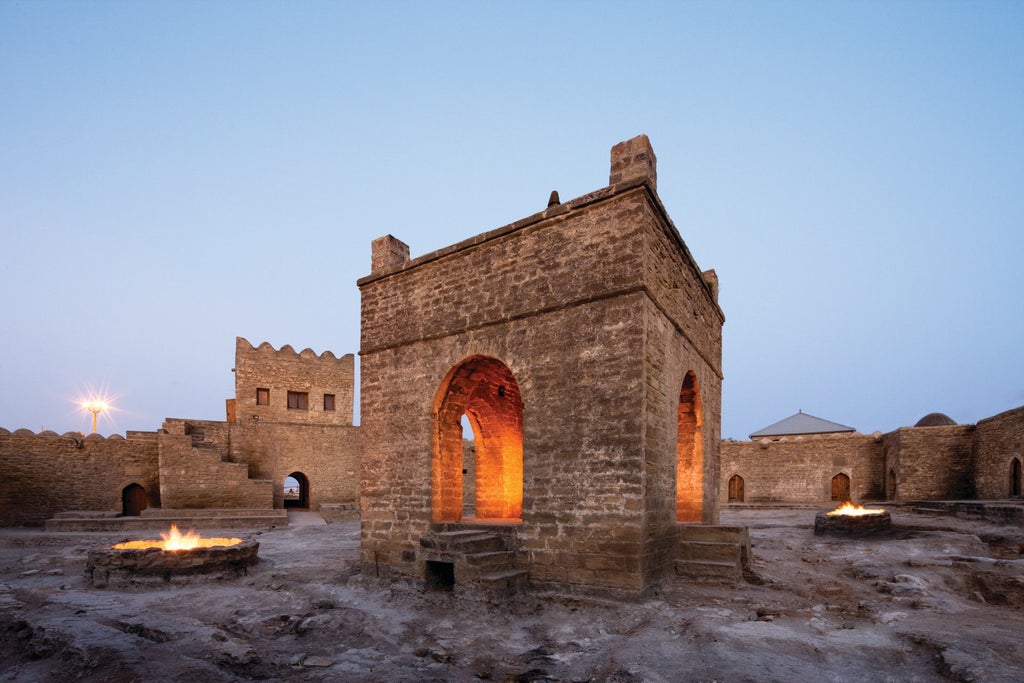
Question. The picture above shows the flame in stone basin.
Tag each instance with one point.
(175, 540)
(852, 510)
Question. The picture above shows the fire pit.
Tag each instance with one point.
(175, 559)
(852, 520)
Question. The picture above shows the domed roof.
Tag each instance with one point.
(935, 420)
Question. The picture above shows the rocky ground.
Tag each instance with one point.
(938, 599)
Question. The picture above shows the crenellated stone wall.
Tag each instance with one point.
(47, 473)
(284, 371)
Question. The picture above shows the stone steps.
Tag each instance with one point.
(480, 559)
(716, 571)
(503, 583)
(154, 519)
(713, 553)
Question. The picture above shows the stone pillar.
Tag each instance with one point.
(388, 252)
(634, 160)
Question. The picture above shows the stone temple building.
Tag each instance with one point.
(583, 344)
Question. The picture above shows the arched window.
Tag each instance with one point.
(483, 390)
(1015, 478)
(736, 489)
(690, 453)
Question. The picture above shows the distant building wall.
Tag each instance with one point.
(45, 474)
(998, 440)
(800, 469)
(263, 374)
(328, 455)
(930, 463)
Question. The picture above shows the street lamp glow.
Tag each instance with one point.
(95, 407)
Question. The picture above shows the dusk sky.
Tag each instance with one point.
(174, 175)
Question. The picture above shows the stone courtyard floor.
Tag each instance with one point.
(937, 599)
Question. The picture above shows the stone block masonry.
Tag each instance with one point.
(568, 340)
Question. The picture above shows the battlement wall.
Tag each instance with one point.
(320, 389)
(48, 473)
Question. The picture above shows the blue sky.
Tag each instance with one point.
(175, 174)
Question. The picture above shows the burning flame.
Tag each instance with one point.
(175, 540)
(854, 510)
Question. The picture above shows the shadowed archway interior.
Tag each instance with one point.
(690, 453)
(485, 391)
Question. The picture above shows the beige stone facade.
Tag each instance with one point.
(240, 463)
(937, 462)
(584, 346)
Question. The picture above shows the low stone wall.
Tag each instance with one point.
(47, 473)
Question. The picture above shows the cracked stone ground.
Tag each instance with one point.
(937, 599)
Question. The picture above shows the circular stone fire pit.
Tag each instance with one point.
(149, 566)
(866, 523)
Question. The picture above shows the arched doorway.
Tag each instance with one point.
(483, 390)
(133, 500)
(841, 488)
(690, 453)
(736, 489)
(890, 485)
(1015, 478)
(296, 490)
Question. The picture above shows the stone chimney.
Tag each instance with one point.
(634, 160)
(387, 252)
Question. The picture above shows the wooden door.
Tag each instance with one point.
(736, 489)
(133, 500)
(841, 488)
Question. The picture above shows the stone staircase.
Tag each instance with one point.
(461, 556)
(195, 471)
(713, 553)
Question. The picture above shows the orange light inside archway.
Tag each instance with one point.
(485, 391)
(690, 453)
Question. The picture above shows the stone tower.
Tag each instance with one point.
(583, 345)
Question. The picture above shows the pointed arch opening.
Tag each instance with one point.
(133, 500)
(890, 485)
(296, 491)
(736, 492)
(690, 453)
(1015, 478)
(484, 391)
(841, 488)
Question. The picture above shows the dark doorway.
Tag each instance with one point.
(890, 485)
(296, 491)
(841, 488)
(1015, 478)
(133, 500)
(736, 489)
(440, 576)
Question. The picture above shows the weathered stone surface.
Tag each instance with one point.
(598, 312)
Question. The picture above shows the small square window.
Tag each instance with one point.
(298, 400)
(263, 397)
(329, 402)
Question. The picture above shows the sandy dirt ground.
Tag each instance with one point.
(937, 599)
